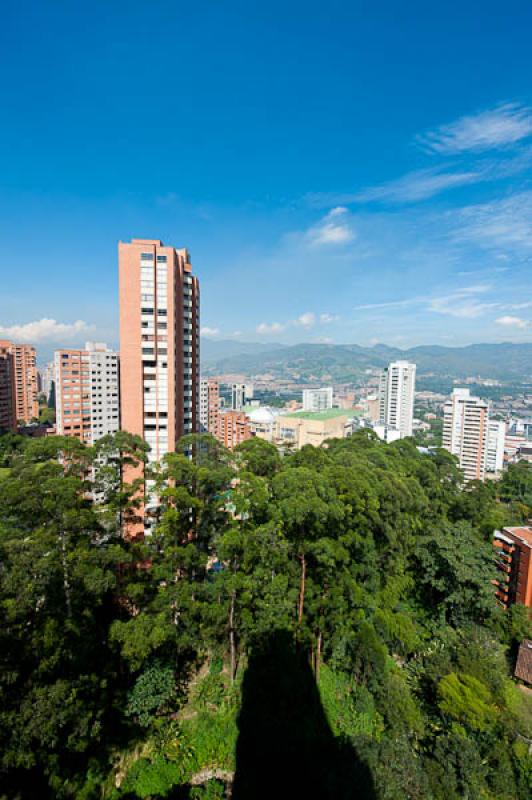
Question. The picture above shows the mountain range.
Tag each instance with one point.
(308, 363)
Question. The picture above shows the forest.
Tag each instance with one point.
(318, 625)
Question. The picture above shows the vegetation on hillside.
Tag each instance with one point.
(317, 626)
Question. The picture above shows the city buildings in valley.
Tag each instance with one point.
(241, 394)
(159, 343)
(87, 392)
(513, 548)
(8, 416)
(465, 432)
(306, 427)
(26, 380)
(396, 396)
(209, 404)
(318, 399)
(232, 428)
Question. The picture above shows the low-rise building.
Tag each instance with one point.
(306, 427)
(513, 548)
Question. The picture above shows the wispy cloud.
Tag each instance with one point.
(510, 321)
(306, 321)
(418, 185)
(267, 328)
(497, 127)
(505, 223)
(333, 229)
(45, 330)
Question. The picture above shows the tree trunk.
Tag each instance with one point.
(318, 655)
(232, 641)
(301, 603)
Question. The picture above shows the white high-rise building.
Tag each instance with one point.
(396, 396)
(47, 379)
(318, 399)
(495, 446)
(240, 394)
(87, 392)
(465, 432)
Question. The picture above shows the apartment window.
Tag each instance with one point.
(161, 326)
(146, 256)
(162, 312)
(161, 259)
(146, 310)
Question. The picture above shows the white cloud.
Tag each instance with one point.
(497, 127)
(45, 330)
(510, 321)
(333, 229)
(306, 320)
(209, 332)
(267, 329)
(326, 319)
(462, 303)
(418, 185)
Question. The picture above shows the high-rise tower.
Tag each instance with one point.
(396, 396)
(159, 344)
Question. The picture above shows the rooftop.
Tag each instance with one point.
(321, 416)
(523, 533)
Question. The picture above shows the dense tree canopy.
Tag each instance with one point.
(357, 575)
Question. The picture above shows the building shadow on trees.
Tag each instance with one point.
(285, 747)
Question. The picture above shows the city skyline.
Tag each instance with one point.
(383, 206)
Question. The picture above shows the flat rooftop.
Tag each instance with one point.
(321, 416)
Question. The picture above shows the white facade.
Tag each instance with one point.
(105, 392)
(95, 392)
(47, 379)
(396, 396)
(318, 399)
(465, 432)
(495, 446)
(240, 394)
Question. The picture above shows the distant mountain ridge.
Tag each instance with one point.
(344, 363)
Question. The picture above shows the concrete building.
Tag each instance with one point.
(209, 404)
(232, 427)
(26, 380)
(495, 446)
(396, 396)
(87, 392)
(262, 422)
(241, 394)
(513, 548)
(465, 432)
(306, 427)
(159, 343)
(318, 399)
(8, 416)
(47, 379)
(372, 404)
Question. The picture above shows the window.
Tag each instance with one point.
(162, 312)
(146, 256)
(146, 310)
(161, 259)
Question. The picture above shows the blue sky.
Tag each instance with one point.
(343, 171)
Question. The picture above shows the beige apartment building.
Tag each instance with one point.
(87, 392)
(159, 343)
(465, 432)
(26, 380)
(209, 404)
(305, 427)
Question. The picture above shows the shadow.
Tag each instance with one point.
(285, 747)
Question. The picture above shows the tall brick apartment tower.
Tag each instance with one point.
(26, 381)
(159, 344)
